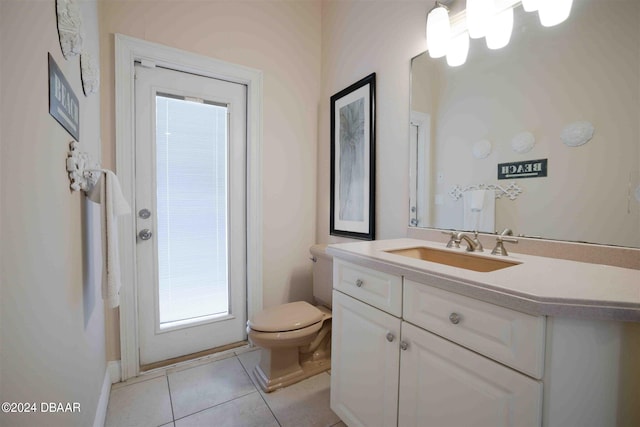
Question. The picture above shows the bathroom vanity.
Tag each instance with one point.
(424, 336)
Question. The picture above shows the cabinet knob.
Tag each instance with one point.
(390, 337)
(454, 318)
(359, 283)
(404, 345)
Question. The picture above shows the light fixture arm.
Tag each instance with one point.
(437, 5)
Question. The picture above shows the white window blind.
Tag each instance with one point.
(191, 204)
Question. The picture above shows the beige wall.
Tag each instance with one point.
(358, 38)
(281, 38)
(52, 318)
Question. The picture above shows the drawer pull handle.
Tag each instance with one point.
(404, 345)
(454, 318)
(390, 337)
(359, 283)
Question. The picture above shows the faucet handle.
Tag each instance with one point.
(454, 241)
(478, 247)
(507, 232)
(500, 249)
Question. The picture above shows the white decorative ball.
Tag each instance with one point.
(481, 149)
(577, 133)
(523, 142)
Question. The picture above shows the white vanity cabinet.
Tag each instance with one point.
(444, 384)
(388, 372)
(364, 340)
(364, 363)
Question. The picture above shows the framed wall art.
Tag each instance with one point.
(353, 161)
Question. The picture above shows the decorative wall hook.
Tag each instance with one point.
(83, 170)
(512, 191)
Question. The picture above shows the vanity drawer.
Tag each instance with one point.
(510, 337)
(381, 290)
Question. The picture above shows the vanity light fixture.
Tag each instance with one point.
(438, 31)
(458, 50)
(530, 5)
(492, 19)
(479, 13)
(500, 28)
(554, 12)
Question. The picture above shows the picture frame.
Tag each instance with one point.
(352, 206)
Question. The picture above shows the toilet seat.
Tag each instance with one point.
(286, 317)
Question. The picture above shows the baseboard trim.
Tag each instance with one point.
(114, 370)
(103, 401)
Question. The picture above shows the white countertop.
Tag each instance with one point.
(539, 285)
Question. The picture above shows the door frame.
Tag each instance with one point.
(127, 51)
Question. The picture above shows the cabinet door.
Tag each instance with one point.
(365, 359)
(443, 384)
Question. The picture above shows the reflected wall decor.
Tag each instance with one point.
(353, 160)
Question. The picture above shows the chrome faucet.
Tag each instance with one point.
(473, 244)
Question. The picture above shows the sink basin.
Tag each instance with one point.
(454, 259)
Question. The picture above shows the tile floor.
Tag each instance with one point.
(221, 393)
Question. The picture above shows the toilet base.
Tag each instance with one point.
(282, 366)
(306, 370)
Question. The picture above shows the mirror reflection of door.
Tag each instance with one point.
(420, 192)
(190, 207)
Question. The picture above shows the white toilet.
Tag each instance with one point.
(295, 338)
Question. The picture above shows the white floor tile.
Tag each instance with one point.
(250, 360)
(246, 411)
(202, 387)
(141, 404)
(303, 404)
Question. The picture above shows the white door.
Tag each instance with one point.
(190, 212)
(365, 356)
(443, 384)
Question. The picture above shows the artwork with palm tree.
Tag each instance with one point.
(353, 161)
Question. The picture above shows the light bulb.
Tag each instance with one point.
(499, 30)
(438, 32)
(458, 50)
(478, 13)
(554, 12)
(530, 5)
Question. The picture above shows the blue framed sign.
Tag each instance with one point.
(63, 103)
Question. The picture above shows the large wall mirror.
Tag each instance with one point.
(514, 105)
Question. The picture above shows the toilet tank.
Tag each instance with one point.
(322, 274)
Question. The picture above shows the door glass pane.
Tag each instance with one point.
(191, 179)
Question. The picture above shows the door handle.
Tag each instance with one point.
(145, 234)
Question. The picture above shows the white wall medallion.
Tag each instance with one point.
(69, 27)
(577, 133)
(90, 73)
(523, 142)
(481, 149)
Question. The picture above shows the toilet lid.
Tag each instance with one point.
(286, 317)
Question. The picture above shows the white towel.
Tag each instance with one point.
(107, 192)
(479, 210)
